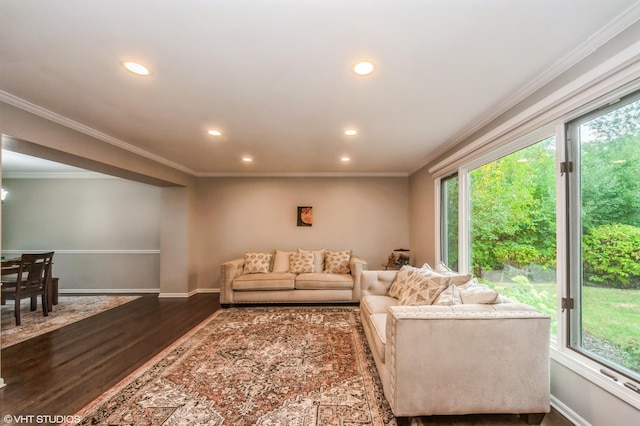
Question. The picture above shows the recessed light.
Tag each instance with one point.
(136, 68)
(215, 132)
(247, 159)
(345, 159)
(350, 132)
(363, 68)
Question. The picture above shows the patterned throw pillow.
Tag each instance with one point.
(301, 263)
(423, 288)
(257, 263)
(450, 296)
(337, 262)
(401, 280)
(318, 258)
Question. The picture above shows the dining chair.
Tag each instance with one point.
(32, 278)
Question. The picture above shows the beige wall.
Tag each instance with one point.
(370, 216)
(422, 217)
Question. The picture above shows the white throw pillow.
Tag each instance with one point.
(281, 262)
(474, 292)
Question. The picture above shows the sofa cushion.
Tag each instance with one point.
(321, 281)
(270, 281)
(257, 263)
(374, 304)
(337, 262)
(379, 326)
(318, 258)
(301, 263)
(281, 261)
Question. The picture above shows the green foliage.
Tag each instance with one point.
(513, 209)
(540, 296)
(611, 256)
(612, 316)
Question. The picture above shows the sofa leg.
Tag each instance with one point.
(534, 418)
(403, 421)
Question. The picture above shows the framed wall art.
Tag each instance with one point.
(305, 216)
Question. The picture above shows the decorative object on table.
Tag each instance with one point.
(305, 216)
(403, 256)
(391, 261)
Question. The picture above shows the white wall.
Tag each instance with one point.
(370, 216)
(106, 232)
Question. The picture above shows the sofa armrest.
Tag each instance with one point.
(467, 359)
(357, 265)
(229, 271)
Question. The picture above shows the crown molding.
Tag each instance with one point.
(305, 175)
(32, 108)
(55, 175)
(590, 45)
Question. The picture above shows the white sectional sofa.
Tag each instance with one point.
(464, 358)
(301, 276)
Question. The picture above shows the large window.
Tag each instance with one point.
(449, 215)
(513, 225)
(604, 221)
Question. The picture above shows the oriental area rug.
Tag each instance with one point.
(255, 366)
(287, 366)
(68, 310)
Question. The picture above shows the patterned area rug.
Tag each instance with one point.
(68, 310)
(255, 366)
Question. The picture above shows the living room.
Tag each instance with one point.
(201, 220)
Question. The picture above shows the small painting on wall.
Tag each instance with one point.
(305, 216)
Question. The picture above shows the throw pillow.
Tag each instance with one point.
(281, 261)
(423, 288)
(474, 292)
(401, 280)
(450, 296)
(337, 262)
(318, 258)
(301, 263)
(257, 263)
(442, 267)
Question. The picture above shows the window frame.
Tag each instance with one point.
(560, 350)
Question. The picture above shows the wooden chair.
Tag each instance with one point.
(32, 278)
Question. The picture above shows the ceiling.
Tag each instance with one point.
(274, 76)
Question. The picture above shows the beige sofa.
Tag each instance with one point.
(284, 282)
(459, 359)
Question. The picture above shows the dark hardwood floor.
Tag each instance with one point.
(60, 372)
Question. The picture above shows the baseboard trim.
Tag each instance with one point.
(107, 290)
(136, 290)
(567, 412)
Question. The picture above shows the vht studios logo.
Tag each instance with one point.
(40, 418)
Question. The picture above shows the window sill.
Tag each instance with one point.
(590, 370)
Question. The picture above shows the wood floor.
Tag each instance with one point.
(62, 371)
